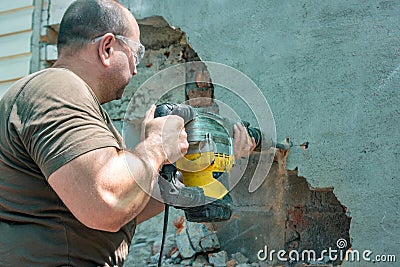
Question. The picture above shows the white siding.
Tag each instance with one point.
(7, 5)
(15, 67)
(15, 44)
(16, 20)
(15, 40)
(53, 14)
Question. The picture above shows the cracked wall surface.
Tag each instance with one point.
(286, 212)
(330, 72)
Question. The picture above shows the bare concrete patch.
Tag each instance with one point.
(285, 213)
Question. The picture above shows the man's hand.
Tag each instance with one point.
(243, 145)
(166, 133)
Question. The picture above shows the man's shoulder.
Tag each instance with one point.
(54, 84)
(49, 90)
(49, 81)
(57, 79)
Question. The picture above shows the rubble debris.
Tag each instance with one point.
(188, 262)
(154, 259)
(200, 261)
(178, 223)
(218, 259)
(240, 258)
(143, 249)
(231, 263)
(185, 247)
(194, 237)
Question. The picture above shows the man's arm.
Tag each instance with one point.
(153, 208)
(106, 188)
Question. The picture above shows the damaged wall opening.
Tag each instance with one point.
(286, 212)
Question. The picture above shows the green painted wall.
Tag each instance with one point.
(331, 73)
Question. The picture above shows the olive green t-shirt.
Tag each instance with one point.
(46, 120)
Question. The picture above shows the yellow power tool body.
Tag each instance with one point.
(210, 155)
(205, 169)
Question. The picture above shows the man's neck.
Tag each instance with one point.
(86, 73)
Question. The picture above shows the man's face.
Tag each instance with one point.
(124, 63)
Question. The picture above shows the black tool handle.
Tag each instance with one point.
(186, 112)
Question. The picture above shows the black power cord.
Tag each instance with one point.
(164, 234)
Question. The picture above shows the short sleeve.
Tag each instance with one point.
(58, 118)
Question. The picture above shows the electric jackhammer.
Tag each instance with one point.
(206, 167)
(204, 170)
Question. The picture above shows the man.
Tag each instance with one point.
(71, 194)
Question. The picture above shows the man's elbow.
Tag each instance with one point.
(108, 223)
(108, 216)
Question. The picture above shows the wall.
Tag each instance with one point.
(15, 39)
(330, 72)
(48, 14)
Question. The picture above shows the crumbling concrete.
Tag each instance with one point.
(218, 259)
(285, 213)
(330, 71)
(192, 238)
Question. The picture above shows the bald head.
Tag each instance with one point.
(85, 20)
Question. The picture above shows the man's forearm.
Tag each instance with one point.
(153, 208)
(143, 164)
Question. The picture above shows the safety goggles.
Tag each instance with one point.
(136, 47)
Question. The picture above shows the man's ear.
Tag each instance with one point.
(106, 49)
